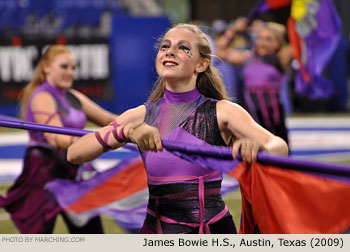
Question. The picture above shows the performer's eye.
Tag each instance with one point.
(66, 66)
(164, 47)
(184, 48)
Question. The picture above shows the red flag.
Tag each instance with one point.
(276, 4)
(292, 202)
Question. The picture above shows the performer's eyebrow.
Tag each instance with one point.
(181, 42)
(185, 42)
(166, 41)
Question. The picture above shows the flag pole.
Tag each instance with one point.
(43, 128)
(263, 158)
(213, 151)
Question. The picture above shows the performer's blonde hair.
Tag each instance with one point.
(279, 30)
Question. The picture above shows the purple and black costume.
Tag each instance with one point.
(263, 79)
(184, 197)
(32, 208)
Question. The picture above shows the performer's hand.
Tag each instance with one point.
(248, 149)
(241, 24)
(146, 137)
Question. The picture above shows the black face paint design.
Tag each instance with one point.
(187, 51)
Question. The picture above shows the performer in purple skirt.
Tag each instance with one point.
(49, 99)
(263, 73)
(187, 105)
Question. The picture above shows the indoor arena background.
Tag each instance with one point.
(114, 45)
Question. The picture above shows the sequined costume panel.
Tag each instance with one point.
(203, 124)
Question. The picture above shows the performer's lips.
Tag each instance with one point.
(169, 63)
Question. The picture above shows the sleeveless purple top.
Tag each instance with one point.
(185, 117)
(259, 74)
(68, 110)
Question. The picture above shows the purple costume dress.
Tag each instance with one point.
(184, 197)
(263, 79)
(31, 207)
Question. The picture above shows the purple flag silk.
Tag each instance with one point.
(319, 32)
(260, 8)
(220, 158)
(318, 27)
(264, 6)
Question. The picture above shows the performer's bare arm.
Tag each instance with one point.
(223, 49)
(248, 136)
(88, 147)
(44, 109)
(94, 112)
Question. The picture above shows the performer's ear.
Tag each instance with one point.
(202, 65)
(45, 67)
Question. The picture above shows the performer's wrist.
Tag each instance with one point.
(129, 130)
(118, 132)
(124, 134)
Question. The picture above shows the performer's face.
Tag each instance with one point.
(60, 72)
(178, 58)
(267, 42)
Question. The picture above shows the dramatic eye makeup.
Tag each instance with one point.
(65, 66)
(182, 45)
(164, 45)
(186, 50)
